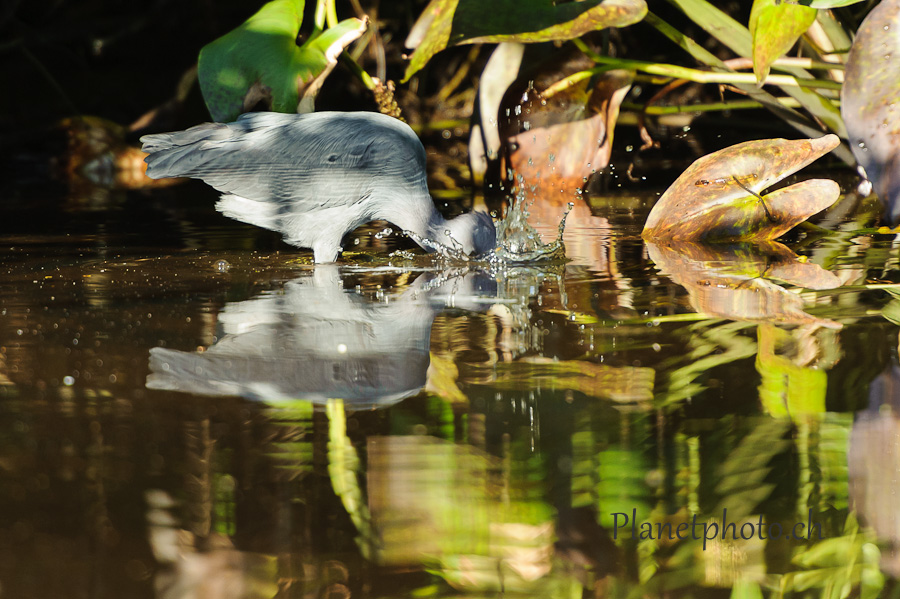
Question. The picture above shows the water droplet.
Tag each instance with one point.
(223, 266)
(887, 56)
(887, 27)
(518, 109)
(629, 148)
(526, 125)
(68, 381)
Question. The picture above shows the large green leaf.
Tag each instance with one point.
(775, 27)
(449, 22)
(260, 61)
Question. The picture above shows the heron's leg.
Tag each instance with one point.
(326, 251)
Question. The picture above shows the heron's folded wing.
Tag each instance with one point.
(300, 162)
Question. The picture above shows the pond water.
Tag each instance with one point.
(189, 410)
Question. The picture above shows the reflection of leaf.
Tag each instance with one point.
(731, 280)
(869, 102)
(718, 196)
(775, 27)
(448, 22)
(260, 61)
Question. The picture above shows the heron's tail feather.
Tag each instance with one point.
(174, 154)
(261, 214)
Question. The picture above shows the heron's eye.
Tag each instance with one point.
(333, 158)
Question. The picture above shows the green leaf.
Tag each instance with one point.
(448, 22)
(776, 27)
(260, 61)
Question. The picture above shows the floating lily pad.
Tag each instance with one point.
(719, 196)
(260, 61)
(450, 22)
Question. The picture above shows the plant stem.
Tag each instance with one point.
(319, 18)
(357, 70)
(698, 76)
(330, 13)
(705, 107)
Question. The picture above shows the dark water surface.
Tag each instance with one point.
(188, 410)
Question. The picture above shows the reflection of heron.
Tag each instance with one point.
(873, 460)
(315, 177)
(314, 340)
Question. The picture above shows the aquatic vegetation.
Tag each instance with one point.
(261, 62)
(719, 196)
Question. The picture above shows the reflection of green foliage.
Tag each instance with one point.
(835, 567)
(787, 389)
(293, 452)
(742, 484)
(712, 344)
(622, 486)
(343, 469)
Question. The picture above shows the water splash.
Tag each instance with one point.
(452, 253)
(518, 242)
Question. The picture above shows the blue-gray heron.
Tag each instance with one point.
(315, 177)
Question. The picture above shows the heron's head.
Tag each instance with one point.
(474, 231)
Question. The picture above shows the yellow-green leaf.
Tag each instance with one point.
(775, 27)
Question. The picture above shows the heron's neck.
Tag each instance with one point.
(419, 217)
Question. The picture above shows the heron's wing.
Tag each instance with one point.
(300, 161)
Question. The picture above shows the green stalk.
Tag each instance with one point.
(319, 18)
(704, 107)
(698, 76)
(330, 13)
(357, 70)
